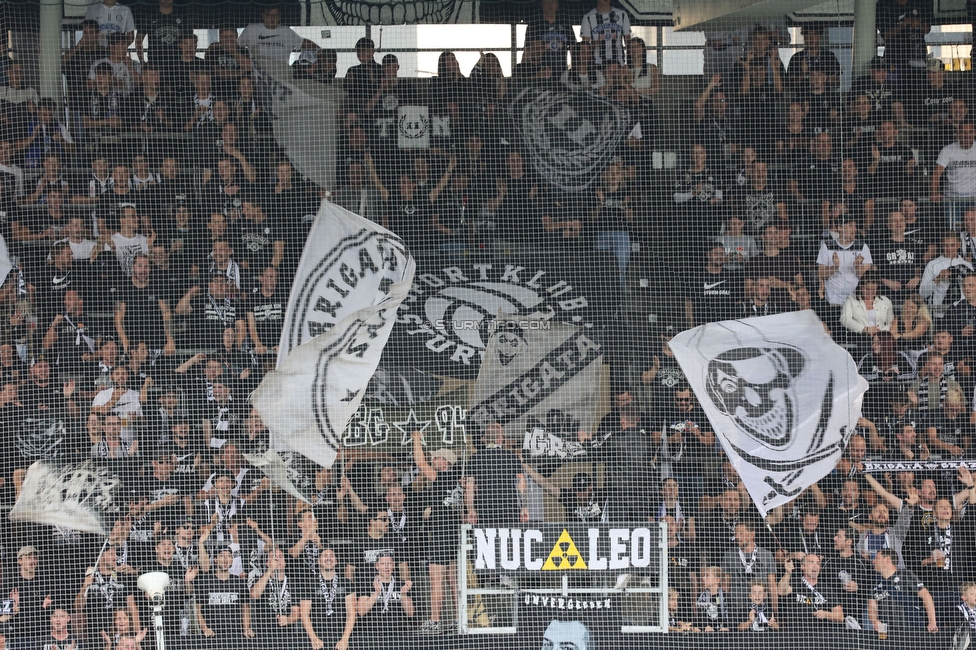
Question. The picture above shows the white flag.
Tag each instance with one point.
(84, 496)
(352, 277)
(278, 472)
(542, 381)
(782, 397)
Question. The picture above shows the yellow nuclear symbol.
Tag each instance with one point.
(564, 556)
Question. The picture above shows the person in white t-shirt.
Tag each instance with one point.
(112, 18)
(842, 261)
(606, 31)
(957, 162)
(128, 242)
(272, 40)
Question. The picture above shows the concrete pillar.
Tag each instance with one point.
(49, 55)
(865, 43)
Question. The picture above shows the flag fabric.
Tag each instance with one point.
(304, 118)
(542, 381)
(84, 496)
(782, 397)
(569, 135)
(351, 279)
(5, 265)
(282, 471)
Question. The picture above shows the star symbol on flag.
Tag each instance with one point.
(411, 424)
(350, 396)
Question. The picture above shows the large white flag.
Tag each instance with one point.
(782, 396)
(542, 381)
(352, 277)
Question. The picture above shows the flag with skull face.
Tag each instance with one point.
(782, 397)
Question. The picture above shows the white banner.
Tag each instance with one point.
(413, 127)
(782, 397)
(542, 381)
(352, 277)
(81, 497)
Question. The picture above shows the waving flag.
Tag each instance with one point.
(782, 397)
(86, 496)
(352, 277)
(542, 381)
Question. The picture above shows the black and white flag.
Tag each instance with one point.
(782, 397)
(352, 277)
(85, 496)
(569, 135)
(285, 471)
(542, 381)
(304, 118)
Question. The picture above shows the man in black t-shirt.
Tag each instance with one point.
(807, 600)
(222, 607)
(328, 604)
(493, 476)
(33, 594)
(107, 587)
(892, 165)
(370, 545)
(164, 24)
(713, 292)
(385, 602)
(141, 314)
(275, 595)
(893, 605)
(687, 442)
(897, 259)
(261, 243)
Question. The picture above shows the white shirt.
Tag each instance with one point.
(608, 31)
(842, 284)
(276, 44)
(116, 19)
(80, 251)
(18, 95)
(126, 249)
(934, 293)
(960, 170)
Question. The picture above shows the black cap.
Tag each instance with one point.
(878, 63)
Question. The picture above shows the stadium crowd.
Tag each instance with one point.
(155, 233)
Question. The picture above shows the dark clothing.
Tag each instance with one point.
(495, 472)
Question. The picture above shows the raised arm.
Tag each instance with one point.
(893, 501)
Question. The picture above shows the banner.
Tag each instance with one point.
(539, 376)
(573, 548)
(442, 326)
(880, 466)
(393, 12)
(782, 397)
(569, 135)
(85, 497)
(303, 115)
(351, 279)
(413, 127)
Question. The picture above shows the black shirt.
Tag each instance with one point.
(220, 603)
(715, 295)
(495, 472)
(328, 599)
